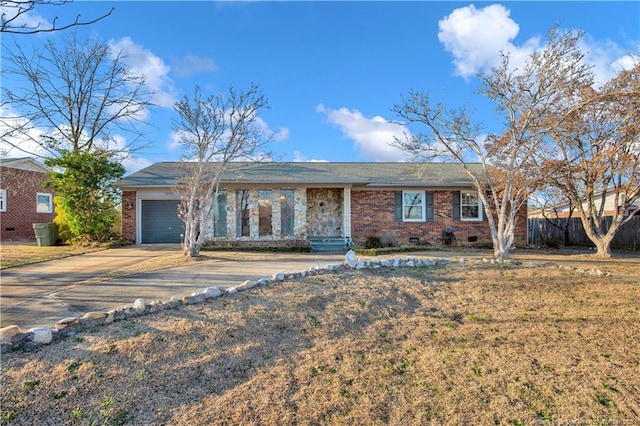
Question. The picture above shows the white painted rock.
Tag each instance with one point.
(139, 306)
(43, 336)
(212, 292)
(6, 333)
(351, 259)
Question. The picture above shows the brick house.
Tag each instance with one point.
(23, 198)
(277, 203)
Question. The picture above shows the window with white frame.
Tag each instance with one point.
(470, 206)
(3, 200)
(44, 203)
(413, 206)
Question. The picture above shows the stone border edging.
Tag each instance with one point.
(12, 338)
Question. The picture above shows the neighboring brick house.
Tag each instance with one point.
(23, 198)
(271, 203)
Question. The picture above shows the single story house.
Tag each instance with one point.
(23, 198)
(279, 203)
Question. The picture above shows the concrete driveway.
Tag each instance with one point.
(41, 294)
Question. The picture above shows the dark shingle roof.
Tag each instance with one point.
(166, 174)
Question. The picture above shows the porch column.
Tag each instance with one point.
(300, 213)
(231, 214)
(346, 212)
(254, 214)
(276, 214)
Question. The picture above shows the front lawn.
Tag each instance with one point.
(464, 344)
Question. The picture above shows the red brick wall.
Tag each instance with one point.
(129, 215)
(22, 186)
(372, 214)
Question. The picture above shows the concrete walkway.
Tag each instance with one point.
(41, 294)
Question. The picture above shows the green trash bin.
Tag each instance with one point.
(46, 233)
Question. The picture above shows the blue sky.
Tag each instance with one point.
(332, 71)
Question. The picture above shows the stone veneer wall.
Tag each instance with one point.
(325, 212)
(300, 215)
(300, 228)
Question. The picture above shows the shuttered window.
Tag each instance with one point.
(413, 206)
(466, 205)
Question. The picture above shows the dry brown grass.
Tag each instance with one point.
(26, 252)
(458, 345)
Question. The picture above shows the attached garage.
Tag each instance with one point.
(160, 222)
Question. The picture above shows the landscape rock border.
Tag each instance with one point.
(13, 338)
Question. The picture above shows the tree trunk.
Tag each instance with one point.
(192, 251)
(500, 250)
(190, 245)
(601, 240)
(603, 246)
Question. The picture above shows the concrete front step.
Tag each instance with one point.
(327, 244)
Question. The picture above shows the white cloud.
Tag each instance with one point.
(174, 141)
(191, 64)
(625, 62)
(133, 164)
(28, 139)
(143, 62)
(606, 57)
(476, 36)
(27, 20)
(372, 136)
(299, 157)
(282, 134)
(16, 131)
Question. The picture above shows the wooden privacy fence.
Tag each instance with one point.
(541, 232)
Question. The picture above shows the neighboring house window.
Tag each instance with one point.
(44, 203)
(414, 206)
(265, 209)
(3, 200)
(287, 197)
(470, 206)
(220, 215)
(243, 221)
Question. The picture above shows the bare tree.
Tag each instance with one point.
(76, 94)
(214, 130)
(15, 17)
(593, 155)
(523, 98)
